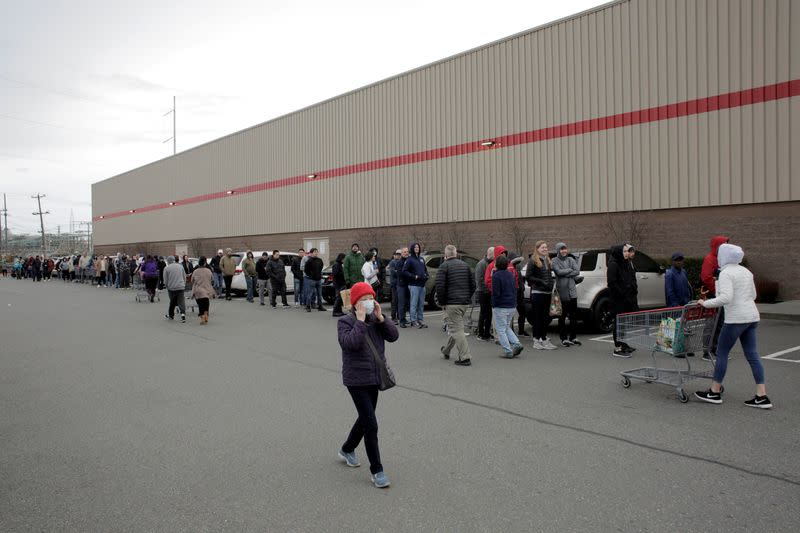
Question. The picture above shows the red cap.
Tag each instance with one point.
(358, 291)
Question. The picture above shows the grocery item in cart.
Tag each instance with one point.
(670, 335)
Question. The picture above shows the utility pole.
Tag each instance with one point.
(88, 234)
(174, 128)
(41, 221)
(5, 225)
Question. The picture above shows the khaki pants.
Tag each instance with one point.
(454, 317)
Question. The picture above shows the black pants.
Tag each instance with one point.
(541, 315)
(485, 317)
(278, 287)
(717, 329)
(150, 284)
(366, 426)
(403, 303)
(202, 306)
(521, 314)
(569, 310)
(337, 305)
(617, 308)
(176, 300)
(228, 280)
(394, 302)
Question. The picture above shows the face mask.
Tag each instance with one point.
(369, 306)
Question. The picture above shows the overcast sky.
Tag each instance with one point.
(84, 84)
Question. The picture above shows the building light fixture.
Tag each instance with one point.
(102, 217)
(228, 192)
(172, 203)
(488, 144)
(132, 211)
(312, 176)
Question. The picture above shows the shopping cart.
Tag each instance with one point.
(141, 292)
(672, 333)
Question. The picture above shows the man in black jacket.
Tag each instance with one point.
(454, 287)
(313, 272)
(262, 276)
(216, 272)
(297, 272)
(276, 271)
(623, 289)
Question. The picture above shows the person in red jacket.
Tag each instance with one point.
(487, 277)
(708, 275)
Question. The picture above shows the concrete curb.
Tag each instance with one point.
(780, 316)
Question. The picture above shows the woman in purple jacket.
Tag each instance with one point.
(361, 375)
(150, 275)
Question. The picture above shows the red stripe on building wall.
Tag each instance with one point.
(697, 106)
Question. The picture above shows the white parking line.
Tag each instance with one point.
(775, 356)
(604, 338)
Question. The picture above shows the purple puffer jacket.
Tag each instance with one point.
(358, 363)
(150, 269)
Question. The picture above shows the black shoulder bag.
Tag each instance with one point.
(387, 376)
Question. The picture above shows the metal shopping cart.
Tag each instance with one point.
(668, 333)
(141, 292)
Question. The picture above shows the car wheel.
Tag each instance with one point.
(601, 314)
(432, 300)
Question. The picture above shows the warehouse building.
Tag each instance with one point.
(657, 122)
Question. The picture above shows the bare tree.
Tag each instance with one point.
(456, 235)
(631, 227)
(422, 235)
(371, 238)
(144, 248)
(519, 234)
(196, 246)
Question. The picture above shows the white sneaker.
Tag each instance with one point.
(537, 344)
(547, 345)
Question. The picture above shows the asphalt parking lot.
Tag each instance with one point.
(114, 419)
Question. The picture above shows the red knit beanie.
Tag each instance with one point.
(358, 291)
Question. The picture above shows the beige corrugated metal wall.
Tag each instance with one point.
(623, 57)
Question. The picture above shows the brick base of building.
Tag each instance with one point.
(769, 234)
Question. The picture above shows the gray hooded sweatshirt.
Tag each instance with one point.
(566, 270)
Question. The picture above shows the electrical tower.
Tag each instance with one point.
(41, 221)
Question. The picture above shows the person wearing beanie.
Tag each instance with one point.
(175, 282)
(568, 275)
(216, 271)
(736, 293)
(352, 265)
(362, 335)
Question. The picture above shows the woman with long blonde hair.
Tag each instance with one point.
(539, 275)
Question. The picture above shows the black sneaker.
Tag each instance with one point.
(422, 325)
(565, 343)
(167, 317)
(709, 396)
(464, 362)
(760, 402)
(445, 354)
(403, 324)
(575, 342)
(308, 309)
(620, 352)
(183, 319)
(628, 349)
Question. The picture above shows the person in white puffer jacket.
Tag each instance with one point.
(736, 292)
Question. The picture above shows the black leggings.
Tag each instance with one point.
(569, 309)
(366, 426)
(485, 317)
(541, 315)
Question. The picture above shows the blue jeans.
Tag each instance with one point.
(217, 282)
(313, 289)
(417, 302)
(251, 285)
(746, 333)
(299, 291)
(502, 324)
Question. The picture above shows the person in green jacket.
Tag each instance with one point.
(249, 271)
(352, 266)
